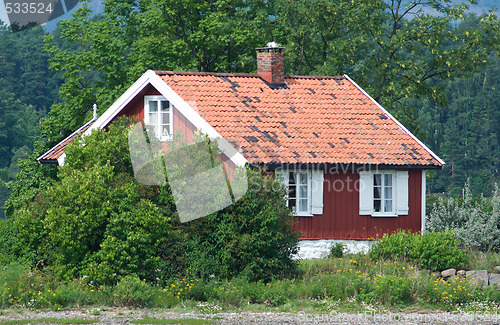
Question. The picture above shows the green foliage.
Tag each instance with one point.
(97, 221)
(252, 237)
(10, 247)
(132, 291)
(100, 57)
(326, 285)
(394, 290)
(337, 251)
(476, 220)
(433, 250)
(27, 89)
(439, 251)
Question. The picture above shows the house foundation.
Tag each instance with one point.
(309, 249)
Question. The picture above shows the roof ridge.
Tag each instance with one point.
(315, 77)
(239, 74)
(200, 73)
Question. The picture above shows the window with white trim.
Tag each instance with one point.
(158, 116)
(305, 191)
(383, 193)
(298, 192)
(383, 200)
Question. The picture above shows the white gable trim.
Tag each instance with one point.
(60, 160)
(396, 121)
(120, 103)
(150, 77)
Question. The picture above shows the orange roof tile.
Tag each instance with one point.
(311, 120)
(52, 156)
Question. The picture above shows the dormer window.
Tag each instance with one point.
(158, 116)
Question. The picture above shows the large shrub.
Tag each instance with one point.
(476, 220)
(252, 237)
(434, 251)
(98, 221)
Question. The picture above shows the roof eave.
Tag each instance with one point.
(42, 160)
(346, 167)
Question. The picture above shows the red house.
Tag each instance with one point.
(354, 172)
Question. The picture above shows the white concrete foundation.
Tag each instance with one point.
(309, 249)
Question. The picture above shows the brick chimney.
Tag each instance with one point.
(270, 63)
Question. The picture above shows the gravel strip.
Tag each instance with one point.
(124, 316)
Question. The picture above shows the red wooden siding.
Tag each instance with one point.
(341, 219)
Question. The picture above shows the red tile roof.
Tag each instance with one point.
(51, 156)
(311, 120)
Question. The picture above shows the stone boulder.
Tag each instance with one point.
(478, 277)
(448, 273)
(494, 278)
(436, 274)
(461, 274)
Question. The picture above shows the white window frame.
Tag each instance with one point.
(399, 193)
(315, 179)
(303, 174)
(383, 198)
(159, 99)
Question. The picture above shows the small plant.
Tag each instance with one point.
(434, 251)
(131, 291)
(337, 250)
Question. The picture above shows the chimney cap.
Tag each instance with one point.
(271, 45)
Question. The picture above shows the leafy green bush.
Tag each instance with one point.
(132, 291)
(9, 245)
(393, 290)
(434, 251)
(337, 251)
(251, 238)
(438, 251)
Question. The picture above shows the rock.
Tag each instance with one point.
(449, 272)
(497, 269)
(479, 277)
(461, 274)
(436, 274)
(494, 279)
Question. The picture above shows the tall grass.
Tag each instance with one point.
(324, 282)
